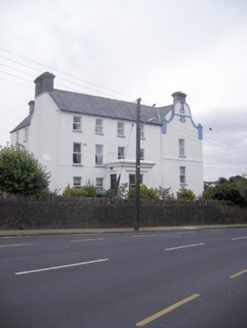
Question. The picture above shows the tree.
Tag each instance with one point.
(21, 173)
(232, 191)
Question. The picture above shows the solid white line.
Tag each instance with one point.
(186, 246)
(62, 266)
(237, 238)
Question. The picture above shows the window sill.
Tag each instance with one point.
(77, 131)
(182, 156)
(120, 136)
(99, 134)
(79, 165)
(183, 184)
(100, 166)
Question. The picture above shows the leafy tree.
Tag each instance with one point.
(185, 194)
(232, 191)
(21, 173)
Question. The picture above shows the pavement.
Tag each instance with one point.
(43, 232)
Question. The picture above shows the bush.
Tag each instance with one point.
(90, 189)
(232, 191)
(185, 194)
(21, 173)
(145, 193)
(75, 192)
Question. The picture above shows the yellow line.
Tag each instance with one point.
(138, 236)
(238, 274)
(91, 239)
(16, 245)
(170, 308)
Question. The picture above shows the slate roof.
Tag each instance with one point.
(105, 107)
(102, 107)
(23, 124)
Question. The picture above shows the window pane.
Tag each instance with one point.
(142, 154)
(76, 153)
(182, 174)
(77, 181)
(77, 123)
(181, 147)
(120, 129)
(99, 126)
(99, 155)
(77, 158)
(99, 182)
(120, 152)
(142, 131)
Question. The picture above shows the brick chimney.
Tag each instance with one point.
(178, 96)
(31, 106)
(44, 83)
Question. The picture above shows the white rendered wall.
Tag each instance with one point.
(51, 139)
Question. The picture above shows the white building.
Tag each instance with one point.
(80, 137)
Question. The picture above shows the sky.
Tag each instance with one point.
(126, 49)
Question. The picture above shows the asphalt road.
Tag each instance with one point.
(187, 279)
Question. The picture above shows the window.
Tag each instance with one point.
(142, 154)
(132, 180)
(77, 182)
(181, 147)
(77, 123)
(99, 155)
(17, 136)
(99, 126)
(142, 131)
(25, 137)
(99, 183)
(120, 129)
(121, 153)
(182, 175)
(77, 153)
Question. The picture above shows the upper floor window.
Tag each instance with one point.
(121, 153)
(120, 129)
(98, 125)
(17, 136)
(77, 153)
(142, 154)
(98, 154)
(77, 182)
(77, 123)
(181, 147)
(182, 175)
(141, 131)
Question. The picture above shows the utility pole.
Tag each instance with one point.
(138, 118)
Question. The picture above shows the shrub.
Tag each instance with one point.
(145, 193)
(185, 194)
(75, 192)
(20, 172)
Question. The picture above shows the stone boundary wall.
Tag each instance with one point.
(58, 212)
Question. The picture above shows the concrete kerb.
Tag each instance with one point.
(44, 232)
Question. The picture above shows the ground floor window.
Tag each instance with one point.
(77, 182)
(132, 180)
(182, 175)
(99, 183)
